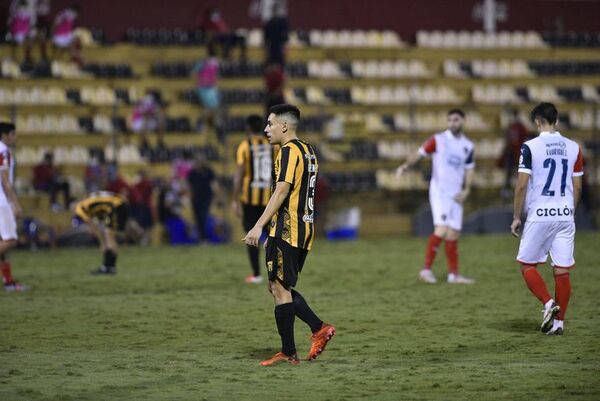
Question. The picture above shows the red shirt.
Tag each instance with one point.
(274, 79)
(119, 186)
(43, 175)
(143, 191)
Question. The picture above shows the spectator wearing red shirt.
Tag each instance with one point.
(141, 204)
(515, 136)
(117, 184)
(217, 32)
(274, 85)
(47, 178)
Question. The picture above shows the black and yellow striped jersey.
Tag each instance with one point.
(256, 155)
(103, 207)
(297, 165)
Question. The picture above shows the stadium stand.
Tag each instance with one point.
(387, 101)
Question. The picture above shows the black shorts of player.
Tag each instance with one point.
(284, 262)
(251, 214)
(116, 219)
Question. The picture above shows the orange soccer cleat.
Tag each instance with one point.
(280, 356)
(320, 340)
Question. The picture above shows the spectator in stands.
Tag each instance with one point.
(94, 175)
(206, 73)
(20, 27)
(276, 35)
(47, 178)
(217, 33)
(141, 204)
(263, 9)
(170, 207)
(274, 85)
(42, 26)
(515, 135)
(115, 183)
(147, 117)
(203, 187)
(63, 32)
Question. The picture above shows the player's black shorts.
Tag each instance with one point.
(284, 262)
(251, 214)
(115, 219)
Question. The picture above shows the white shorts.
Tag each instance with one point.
(63, 40)
(8, 224)
(541, 238)
(446, 211)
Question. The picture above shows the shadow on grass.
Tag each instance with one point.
(515, 325)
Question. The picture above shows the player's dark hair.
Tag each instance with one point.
(457, 111)
(285, 109)
(6, 128)
(546, 111)
(255, 123)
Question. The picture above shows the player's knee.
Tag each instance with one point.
(452, 235)
(559, 271)
(441, 232)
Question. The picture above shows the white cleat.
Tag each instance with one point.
(253, 279)
(550, 311)
(557, 328)
(426, 276)
(454, 278)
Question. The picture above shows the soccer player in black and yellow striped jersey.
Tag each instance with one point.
(291, 214)
(252, 183)
(106, 213)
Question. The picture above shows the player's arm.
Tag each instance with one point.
(469, 178)
(282, 191)
(521, 189)
(577, 179)
(577, 186)
(424, 151)
(10, 193)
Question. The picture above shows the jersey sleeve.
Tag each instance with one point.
(578, 168)
(4, 160)
(470, 161)
(288, 160)
(525, 160)
(428, 147)
(82, 213)
(241, 154)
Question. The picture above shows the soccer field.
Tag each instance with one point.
(180, 324)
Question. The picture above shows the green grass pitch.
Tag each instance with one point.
(180, 324)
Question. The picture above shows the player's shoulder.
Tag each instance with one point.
(468, 142)
(569, 141)
(3, 147)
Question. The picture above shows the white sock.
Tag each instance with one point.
(558, 324)
(549, 303)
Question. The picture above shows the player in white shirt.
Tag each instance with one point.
(451, 179)
(549, 187)
(9, 205)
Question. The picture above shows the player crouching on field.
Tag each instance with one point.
(550, 179)
(106, 213)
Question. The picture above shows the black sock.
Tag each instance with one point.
(253, 254)
(284, 316)
(110, 259)
(304, 312)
